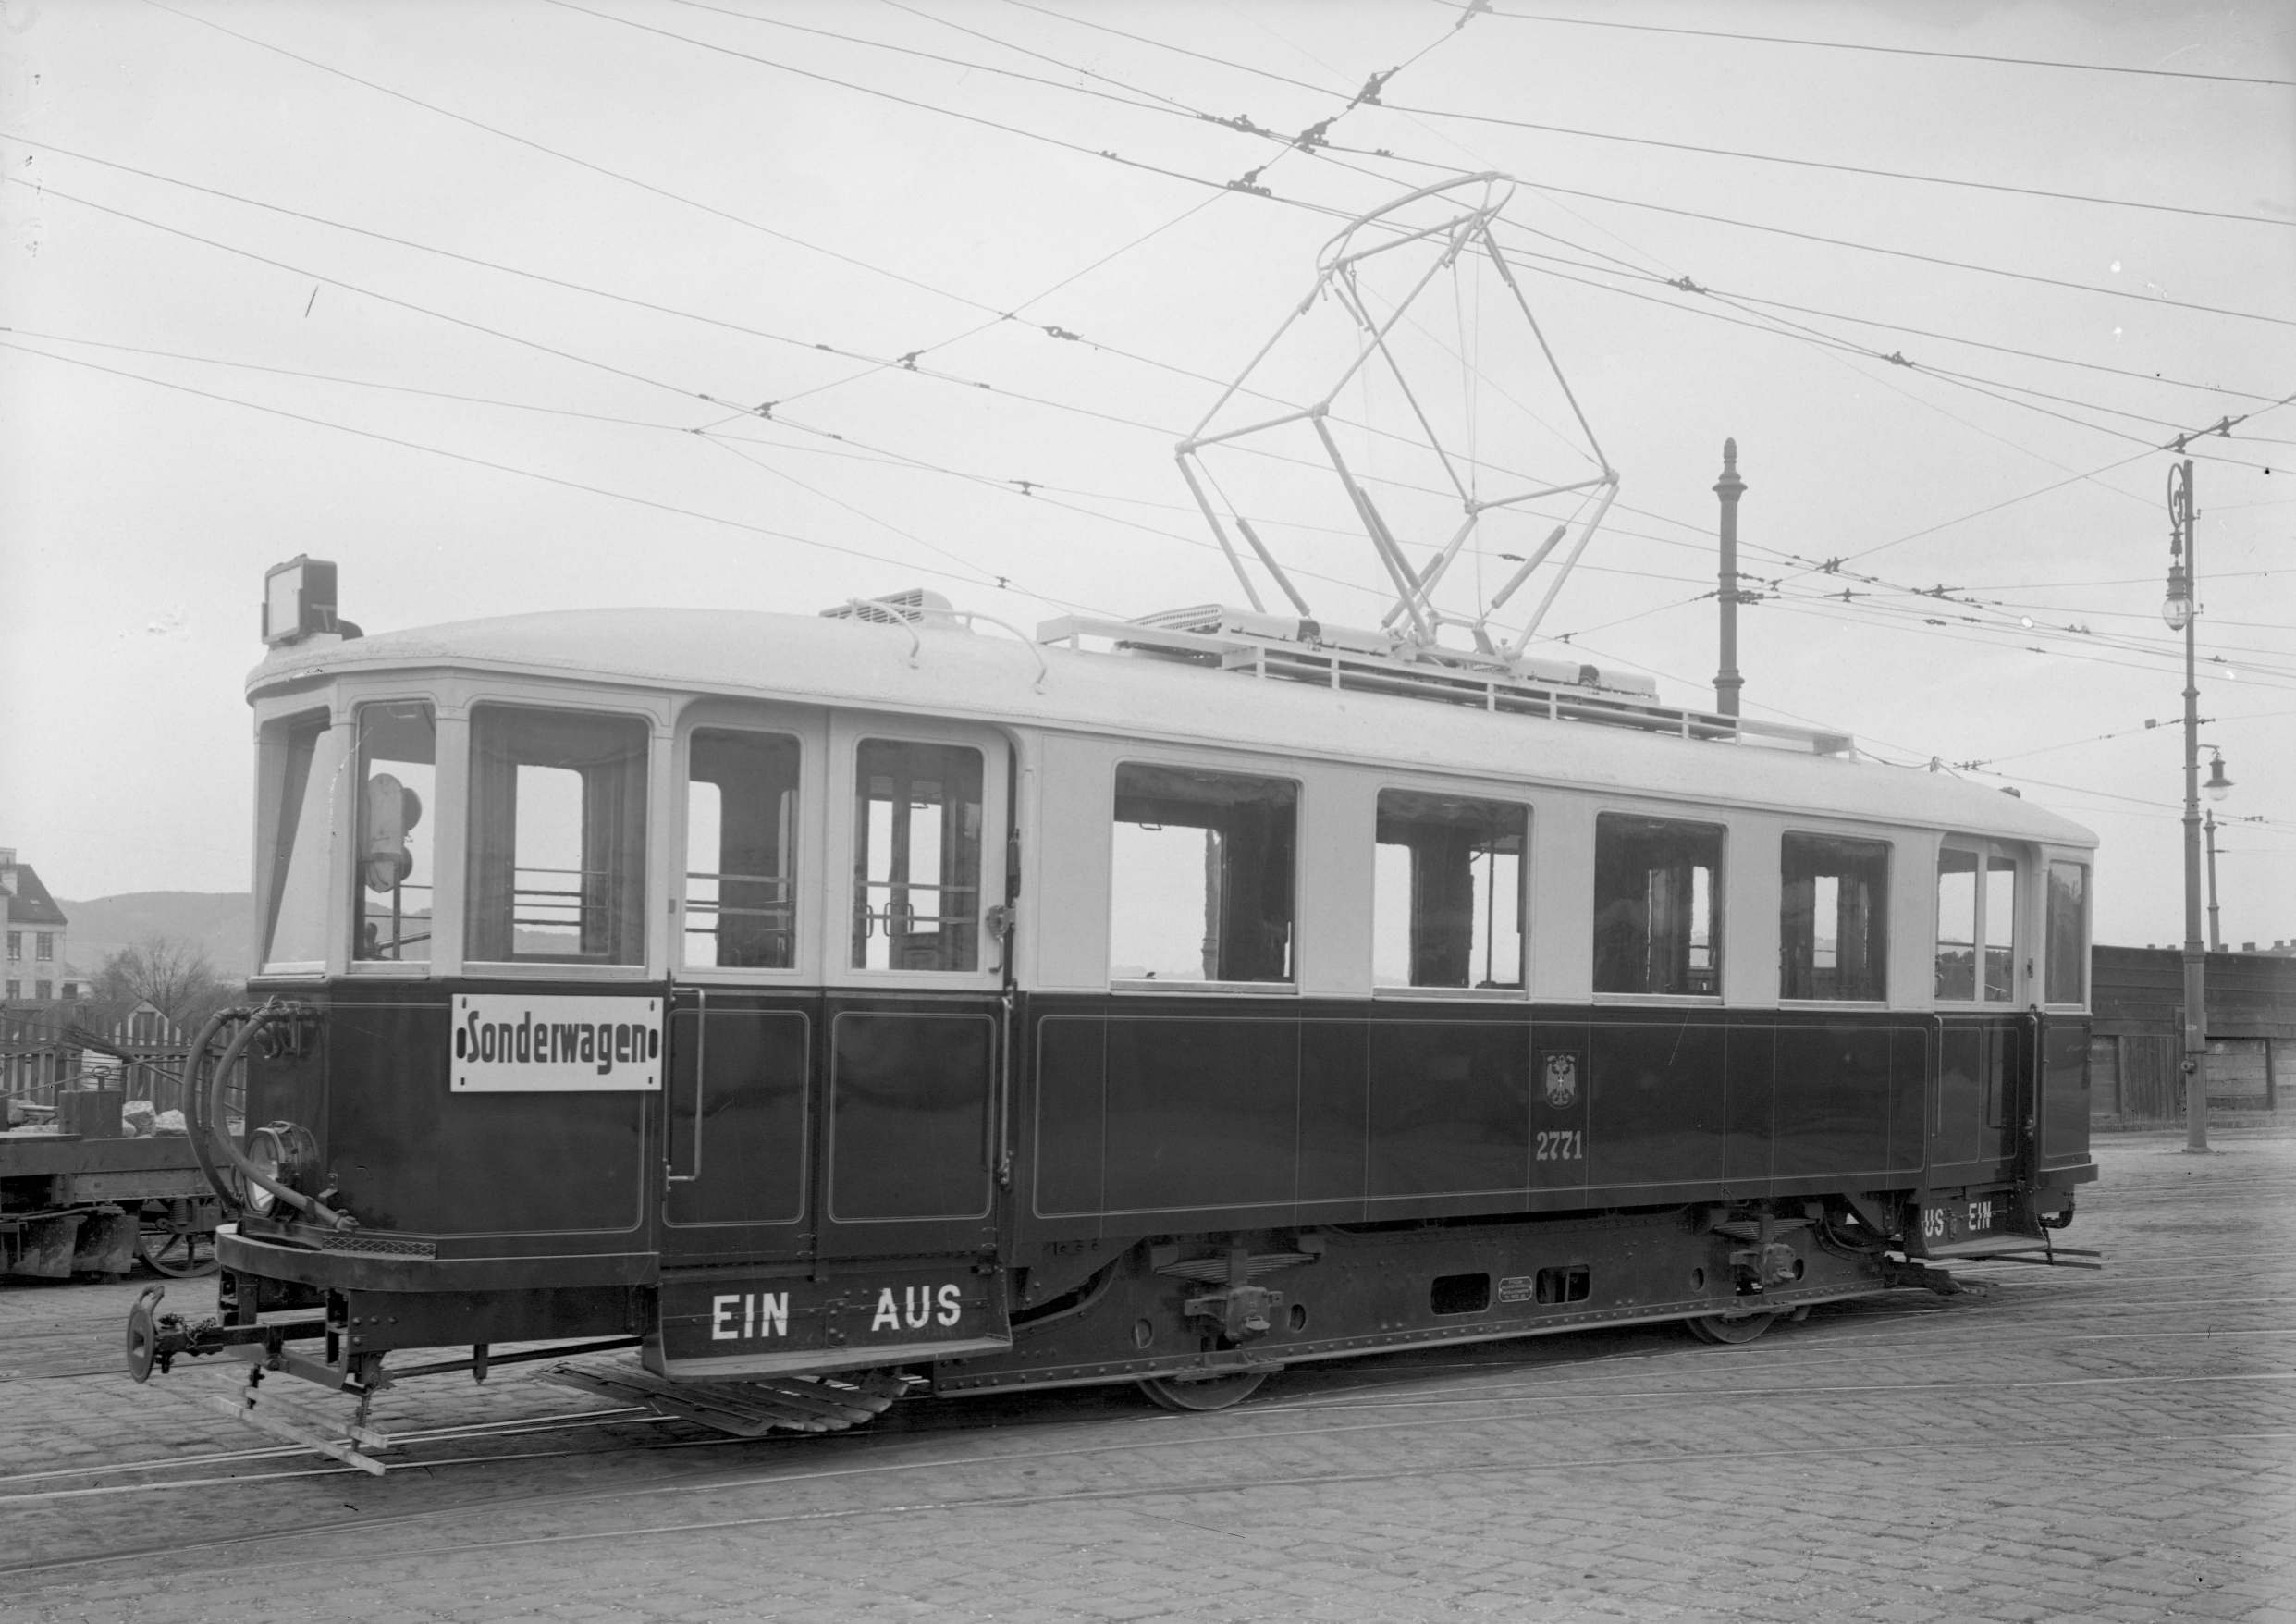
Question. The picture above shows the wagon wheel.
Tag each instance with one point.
(1730, 1328)
(1214, 1393)
(177, 1238)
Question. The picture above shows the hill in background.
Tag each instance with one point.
(223, 922)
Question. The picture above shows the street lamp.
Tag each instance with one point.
(2177, 609)
(2218, 786)
(2181, 611)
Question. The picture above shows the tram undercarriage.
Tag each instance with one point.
(1198, 1322)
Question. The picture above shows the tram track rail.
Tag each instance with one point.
(1231, 1487)
(525, 1426)
(1585, 1397)
(1674, 1460)
(1481, 1395)
(538, 1425)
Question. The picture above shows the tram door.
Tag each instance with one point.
(912, 1041)
(1974, 1132)
(833, 1093)
(738, 1126)
(741, 1101)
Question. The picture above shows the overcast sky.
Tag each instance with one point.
(460, 327)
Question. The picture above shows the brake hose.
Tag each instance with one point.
(308, 1206)
(1842, 1243)
(192, 1098)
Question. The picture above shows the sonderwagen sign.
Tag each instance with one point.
(511, 1043)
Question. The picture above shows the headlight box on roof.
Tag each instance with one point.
(299, 599)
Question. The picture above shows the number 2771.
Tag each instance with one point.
(1564, 1145)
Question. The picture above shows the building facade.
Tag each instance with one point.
(2136, 1066)
(38, 968)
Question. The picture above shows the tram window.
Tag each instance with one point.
(305, 769)
(557, 837)
(2069, 933)
(741, 833)
(917, 858)
(1957, 924)
(392, 890)
(1448, 885)
(1657, 906)
(2000, 928)
(1201, 880)
(1834, 918)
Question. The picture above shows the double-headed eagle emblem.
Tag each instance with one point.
(1562, 1080)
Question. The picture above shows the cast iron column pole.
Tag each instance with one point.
(2195, 955)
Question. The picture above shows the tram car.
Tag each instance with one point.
(884, 994)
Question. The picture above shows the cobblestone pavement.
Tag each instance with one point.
(2078, 1446)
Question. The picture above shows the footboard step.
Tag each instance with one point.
(265, 1417)
(745, 1409)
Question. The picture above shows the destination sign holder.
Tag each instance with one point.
(521, 1043)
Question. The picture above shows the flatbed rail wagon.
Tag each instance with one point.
(77, 1204)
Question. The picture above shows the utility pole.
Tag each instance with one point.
(1729, 488)
(2182, 612)
(2208, 827)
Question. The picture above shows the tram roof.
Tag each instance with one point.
(945, 671)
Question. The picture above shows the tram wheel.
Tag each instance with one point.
(1193, 1397)
(168, 1238)
(1730, 1328)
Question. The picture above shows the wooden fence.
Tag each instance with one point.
(48, 1046)
(2141, 1076)
(2148, 1077)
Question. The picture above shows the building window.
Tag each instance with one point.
(16, 990)
(43, 946)
(1201, 876)
(917, 856)
(392, 894)
(1447, 892)
(1976, 925)
(1657, 906)
(557, 837)
(1834, 918)
(740, 849)
(44, 991)
(16, 946)
(2069, 934)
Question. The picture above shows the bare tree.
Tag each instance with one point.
(177, 977)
